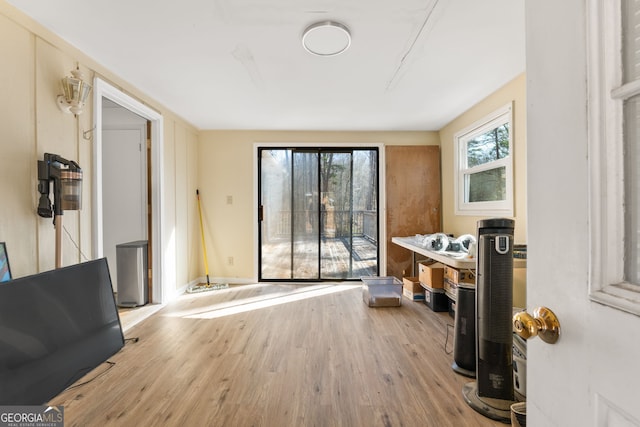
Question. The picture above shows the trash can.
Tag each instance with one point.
(133, 278)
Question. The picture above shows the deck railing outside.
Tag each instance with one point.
(336, 224)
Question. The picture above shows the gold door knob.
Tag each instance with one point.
(543, 323)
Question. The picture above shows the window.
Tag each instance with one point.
(484, 166)
(614, 127)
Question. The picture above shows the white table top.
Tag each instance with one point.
(452, 259)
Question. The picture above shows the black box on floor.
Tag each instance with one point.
(436, 299)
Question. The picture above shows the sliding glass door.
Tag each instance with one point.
(318, 213)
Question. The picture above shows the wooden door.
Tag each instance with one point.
(413, 199)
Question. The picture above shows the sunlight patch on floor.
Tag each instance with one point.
(271, 299)
(129, 317)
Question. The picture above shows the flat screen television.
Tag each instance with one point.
(55, 327)
(5, 268)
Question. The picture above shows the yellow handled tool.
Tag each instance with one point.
(204, 286)
(204, 246)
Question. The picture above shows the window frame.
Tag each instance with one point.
(606, 95)
(461, 171)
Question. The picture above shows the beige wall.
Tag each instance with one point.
(34, 61)
(219, 163)
(461, 224)
(226, 168)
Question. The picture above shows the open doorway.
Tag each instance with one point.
(149, 199)
(125, 178)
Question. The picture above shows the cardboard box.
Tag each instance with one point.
(412, 289)
(451, 289)
(412, 284)
(431, 275)
(413, 296)
(382, 291)
(436, 299)
(456, 276)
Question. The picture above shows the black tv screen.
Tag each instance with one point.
(55, 327)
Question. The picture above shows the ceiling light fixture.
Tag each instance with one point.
(326, 38)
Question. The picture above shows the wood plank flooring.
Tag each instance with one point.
(279, 355)
(335, 259)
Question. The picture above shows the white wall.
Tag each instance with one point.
(226, 169)
(513, 91)
(34, 60)
(18, 173)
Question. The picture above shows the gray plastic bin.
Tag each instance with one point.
(133, 278)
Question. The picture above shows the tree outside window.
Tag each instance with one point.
(484, 166)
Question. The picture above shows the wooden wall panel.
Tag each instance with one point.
(413, 198)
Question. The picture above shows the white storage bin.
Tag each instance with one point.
(382, 291)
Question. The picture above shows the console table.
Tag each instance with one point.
(452, 259)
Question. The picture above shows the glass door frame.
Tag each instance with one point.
(326, 147)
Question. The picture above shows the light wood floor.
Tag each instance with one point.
(279, 355)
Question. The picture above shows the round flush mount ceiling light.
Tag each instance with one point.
(326, 38)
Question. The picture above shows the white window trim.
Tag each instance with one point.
(499, 208)
(606, 169)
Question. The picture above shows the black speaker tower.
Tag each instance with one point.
(492, 393)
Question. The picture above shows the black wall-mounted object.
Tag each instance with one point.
(55, 327)
(66, 177)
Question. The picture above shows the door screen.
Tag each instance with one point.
(318, 213)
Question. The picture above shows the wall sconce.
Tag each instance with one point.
(76, 91)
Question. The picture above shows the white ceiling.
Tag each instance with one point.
(240, 64)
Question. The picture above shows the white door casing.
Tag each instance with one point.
(590, 377)
(159, 263)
